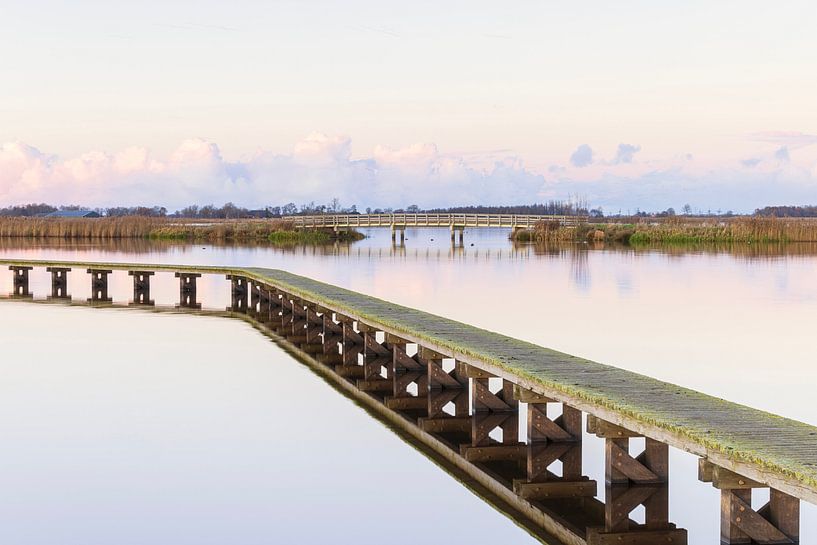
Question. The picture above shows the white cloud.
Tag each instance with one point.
(320, 167)
(625, 153)
(582, 157)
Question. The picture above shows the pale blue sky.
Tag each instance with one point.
(698, 86)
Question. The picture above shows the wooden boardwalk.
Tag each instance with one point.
(454, 221)
(740, 447)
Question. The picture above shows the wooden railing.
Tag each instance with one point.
(432, 220)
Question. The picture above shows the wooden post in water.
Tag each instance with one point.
(351, 346)
(331, 339)
(20, 281)
(188, 290)
(59, 283)
(448, 398)
(99, 286)
(408, 372)
(492, 410)
(141, 288)
(238, 293)
(550, 440)
(377, 361)
(776, 522)
(633, 481)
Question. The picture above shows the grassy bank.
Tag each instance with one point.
(268, 231)
(679, 231)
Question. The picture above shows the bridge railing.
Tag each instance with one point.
(432, 220)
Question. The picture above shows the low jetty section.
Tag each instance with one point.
(458, 390)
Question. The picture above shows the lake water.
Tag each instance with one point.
(132, 428)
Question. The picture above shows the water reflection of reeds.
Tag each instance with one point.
(577, 253)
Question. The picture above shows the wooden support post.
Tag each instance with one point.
(141, 288)
(377, 358)
(649, 467)
(99, 286)
(332, 336)
(21, 281)
(408, 371)
(776, 522)
(485, 400)
(238, 293)
(59, 282)
(188, 290)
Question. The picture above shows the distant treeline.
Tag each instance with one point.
(550, 208)
(232, 211)
(788, 211)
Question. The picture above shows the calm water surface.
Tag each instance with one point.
(240, 440)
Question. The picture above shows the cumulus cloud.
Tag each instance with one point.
(582, 157)
(319, 168)
(625, 153)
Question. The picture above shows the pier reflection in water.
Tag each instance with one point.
(470, 421)
(172, 429)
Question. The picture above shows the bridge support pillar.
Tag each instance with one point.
(59, 282)
(633, 481)
(410, 379)
(776, 522)
(99, 286)
(21, 284)
(141, 288)
(492, 409)
(238, 293)
(187, 290)
(394, 231)
(550, 440)
(331, 339)
(649, 467)
(457, 234)
(448, 396)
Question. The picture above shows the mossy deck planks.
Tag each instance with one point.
(768, 448)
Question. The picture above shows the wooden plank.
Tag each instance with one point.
(556, 489)
(753, 525)
(457, 424)
(784, 513)
(407, 403)
(605, 430)
(540, 427)
(437, 377)
(724, 479)
(493, 453)
(374, 348)
(527, 396)
(485, 400)
(596, 536)
(620, 460)
(374, 385)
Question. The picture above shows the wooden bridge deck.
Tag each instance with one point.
(458, 221)
(768, 448)
(776, 451)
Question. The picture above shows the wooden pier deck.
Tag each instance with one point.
(762, 449)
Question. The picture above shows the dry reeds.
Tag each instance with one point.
(138, 227)
(682, 230)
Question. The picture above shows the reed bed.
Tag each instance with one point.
(681, 231)
(276, 231)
